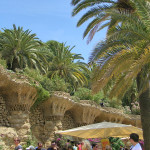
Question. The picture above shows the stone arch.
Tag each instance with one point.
(68, 121)
(104, 116)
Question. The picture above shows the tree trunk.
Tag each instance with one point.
(145, 112)
(15, 64)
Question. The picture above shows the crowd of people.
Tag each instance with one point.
(83, 145)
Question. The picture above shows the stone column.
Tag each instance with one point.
(19, 101)
(53, 112)
(52, 124)
(20, 121)
(3, 113)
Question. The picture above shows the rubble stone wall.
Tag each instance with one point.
(68, 121)
(3, 113)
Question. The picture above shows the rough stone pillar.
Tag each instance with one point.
(20, 121)
(3, 113)
(53, 112)
(37, 123)
(54, 123)
(19, 101)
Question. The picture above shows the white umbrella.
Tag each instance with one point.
(103, 130)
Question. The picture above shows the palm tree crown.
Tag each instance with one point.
(126, 58)
(19, 48)
(66, 65)
(99, 12)
(126, 46)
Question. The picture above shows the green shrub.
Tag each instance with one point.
(135, 108)
(55, 84)
(62, 141)
(126, 110)
(115, 103)
(34, 75)
(1, 146)
(45, 85)
(84, 94)
(30, 141)
(35, 78)
(116, 143)
(75, 98)
(98, 97)
(3, 63)
(42, 95)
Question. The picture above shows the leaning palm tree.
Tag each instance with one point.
(126, 58)
(20, 48)
(99, 14)
(66, 64)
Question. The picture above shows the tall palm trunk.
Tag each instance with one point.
(145, 112)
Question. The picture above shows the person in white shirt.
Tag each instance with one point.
(134, 139)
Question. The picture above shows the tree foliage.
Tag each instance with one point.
(98, 11)
(66, 64)
(19, 49)
(126, 58)
(124, 54)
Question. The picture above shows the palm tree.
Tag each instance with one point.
(66, 64)
(19, 49)
(126, 58)
(99, 13)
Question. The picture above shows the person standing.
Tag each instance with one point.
(75, 146)
(53, 146)
(94, 146)
(134, 139)
(40, 145)
(17, 144)
(79, 146)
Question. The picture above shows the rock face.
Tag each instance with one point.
(59, 112)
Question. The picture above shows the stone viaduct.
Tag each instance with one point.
(58, 112)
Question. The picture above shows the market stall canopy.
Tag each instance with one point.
(103, 130)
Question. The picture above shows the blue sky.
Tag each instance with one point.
(50, 20)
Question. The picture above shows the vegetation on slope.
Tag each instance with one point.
(53, 68)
